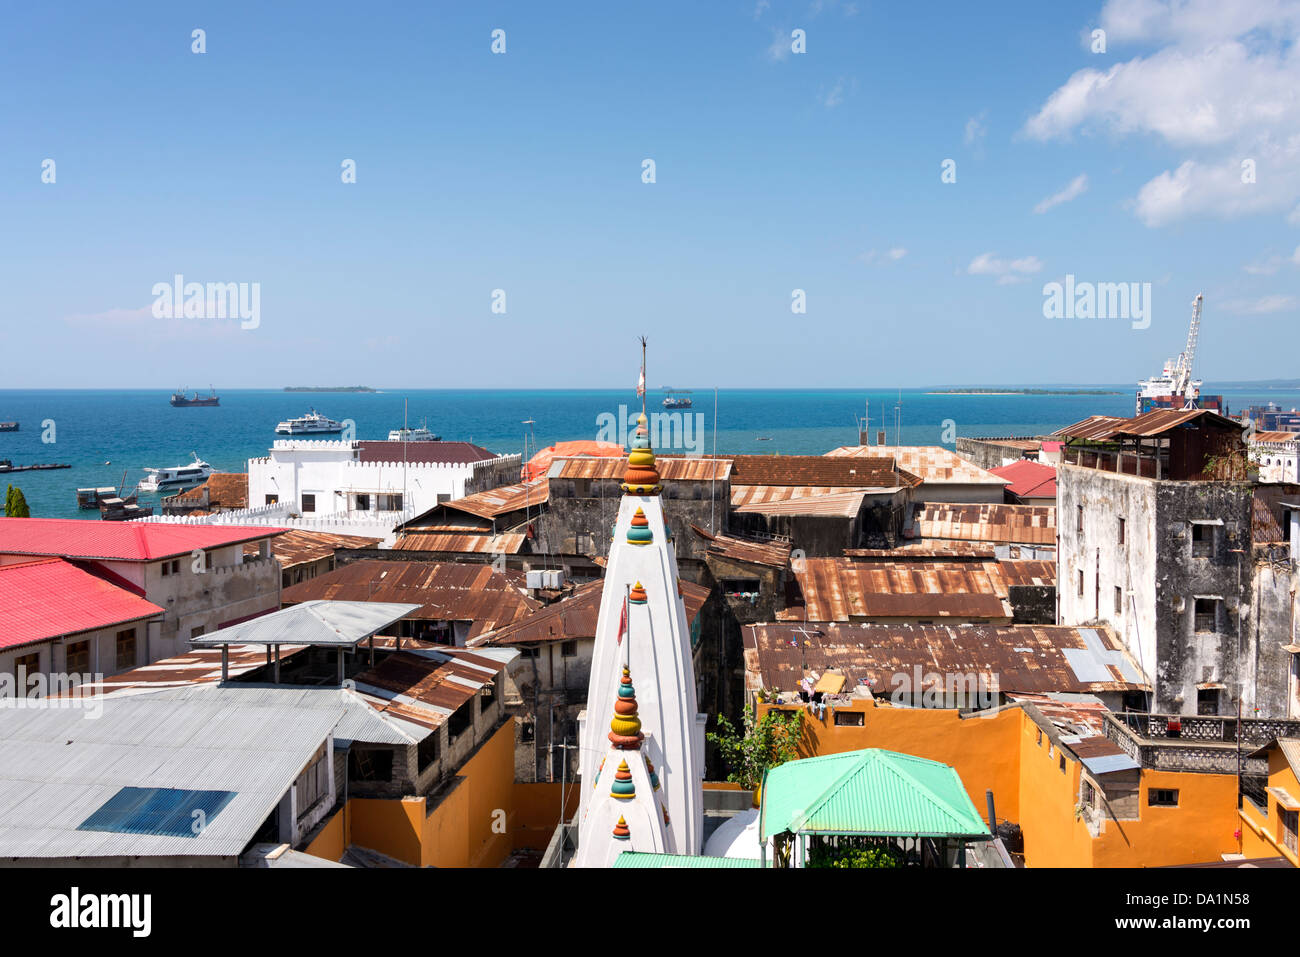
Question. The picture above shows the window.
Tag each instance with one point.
(1162, 797)
(1078, 518)
(1080, 582)
(373, 764)
(1207, 614)
(314, 783)
(78, 658)
(1089, 793)
(526, 732)
(1207, 701)
(171, 568)
(26, 668)
(390, 503)
(1040, 737)
(126, 649)
(166, 569)
(197, 630)
(1287, 825)
(528, 651)
(429, 749)
(848, 719)
(1121, 531)
(1119, 600)
(738, 586)
(459, 722)
(569, 649)
(1202, 540)
(308, 502)
(273, 500)
(363, 503)
(487, 697)
(1063, 764)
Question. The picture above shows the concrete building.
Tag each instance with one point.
(378, 479)
(1154, 545)
(199, 574)
(1277, 454)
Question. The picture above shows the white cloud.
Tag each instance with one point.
(884, 258)
(898, 252)
(779, 51)
(1008, 271)
(1295, 256)
(975, 129)
(1264, 267)
(835, 97)
(1220, 87)
(1073, 190)
(1261, 306)
(761, 6)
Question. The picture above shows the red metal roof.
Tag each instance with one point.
(447, 453)
(50, 597)
(1029, 479)
(118, 541)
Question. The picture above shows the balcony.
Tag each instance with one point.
(1203, 743)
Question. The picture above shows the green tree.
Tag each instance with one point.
(763, 743)
(16, 504)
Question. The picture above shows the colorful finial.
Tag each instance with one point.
(596, 782)
(638, 532)
(637, 595)
(666, 821)
(625, 729)
(650, 769)
(641, 477)
(621, 833)
(623, 789)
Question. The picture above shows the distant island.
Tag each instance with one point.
(1024, 392)
(329, 388)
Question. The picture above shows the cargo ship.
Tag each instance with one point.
(1175, 388)
(181, 401)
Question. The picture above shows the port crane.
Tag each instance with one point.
(1182, 371)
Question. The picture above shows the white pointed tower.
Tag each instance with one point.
(642, 627)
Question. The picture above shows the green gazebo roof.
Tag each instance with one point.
(870, 793)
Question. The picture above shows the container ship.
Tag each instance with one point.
(1175, 388)
(181, 401)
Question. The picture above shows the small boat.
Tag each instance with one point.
(313, 423)
(181, 401)
(91, 497)
(121, 510)
(8, 426)
(677, 399)
(176, 476)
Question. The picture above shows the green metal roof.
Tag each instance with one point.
(871, 792)
(643, 859)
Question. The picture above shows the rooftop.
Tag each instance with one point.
(227, 490)
(298, 546)
(933, 464)
(820, 471)
(342, 624)
(439, 591)
(50, 598)
(1012, 658)
(118, 541)
(1105, 428)
(1028, 479)
(425, 687)
(1001, 524)
(773, 553)
(671, 468)
(444, 453)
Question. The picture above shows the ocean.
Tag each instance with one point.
(106, 435)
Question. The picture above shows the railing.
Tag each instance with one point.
(1202, 743)
(1123, 463)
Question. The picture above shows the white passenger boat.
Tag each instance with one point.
(313, 423)
(177, 476)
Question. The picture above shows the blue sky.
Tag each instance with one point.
(521, 171)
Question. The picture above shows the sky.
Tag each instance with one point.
(501, 231)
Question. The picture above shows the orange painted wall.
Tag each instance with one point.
(333, 839)
(388, 826)
(473, 825)
(984, 751)
(1199, 829)
(1260, 835)
(537, 811)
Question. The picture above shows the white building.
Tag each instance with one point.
(1278, 455)
(361, 478)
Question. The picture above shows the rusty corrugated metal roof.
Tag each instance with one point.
(508, 543)
(1105, 428)
(820, 471)
(671, 468)
(842, 589)
(1021, 658)
(926, 551)
(575, 617)
(426, 687)
(835, 503)
(499, 501)
(1276, 438)
(932, 464)
(297, 546)
(224, 490)
(446, 591)
(755, 551)
(1012, 524)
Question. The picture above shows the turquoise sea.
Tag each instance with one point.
(103, 434)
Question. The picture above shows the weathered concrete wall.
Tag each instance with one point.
(988, 454)
(579, 518)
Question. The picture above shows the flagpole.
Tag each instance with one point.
(643, 379)
(627, 617)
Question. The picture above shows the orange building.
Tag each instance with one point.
(1269, 816)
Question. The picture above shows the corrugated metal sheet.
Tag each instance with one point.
(833, 504)
(197, 666)
(333, 623)
(932, 464)
(926, 551)
(298, 546)
(775, 554)
(443, 591)
(1010, 524)
(225, 490)
(645, 859)
(820, 471)
(1106, 428)
(1021, 658)
(57, 768)
(498, 501)
(446, 453)
(671, 468)
(118, 541)
(50, 597)
(1276, 438)
(426, 687)
(509, 543)
(870, 792)
(842, 589)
